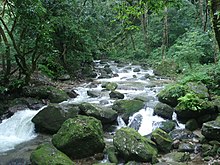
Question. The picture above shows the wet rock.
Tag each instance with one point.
(64, 77)
(71, 93)
(209, 150)
(116, 95)
(136, 122)
(18, 161)
(45, 92)
(47, 154)
(166, 126)
(186, 147)
(163, 110)
(191, 125)
(162, 139)
(132, 146)
(127, 108)
(80, 134)
(211, 130)
(112, 155)
(107, 69)
(93, 93)
(133, 163)
(170, 94)
(179, 134)
(104, 114)
(110, 86)
(177, 157)
(50, 119)
(136, 70)
(103, 102)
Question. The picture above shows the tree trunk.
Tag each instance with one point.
(144, 23)
(215, 9)
(165, 34)
(132, 41)
(201, 13)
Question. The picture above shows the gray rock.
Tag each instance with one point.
(163, 110)
(116, 95)
(211, 130)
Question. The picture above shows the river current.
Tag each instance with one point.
(133, 81)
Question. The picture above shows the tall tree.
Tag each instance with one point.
(215, 15)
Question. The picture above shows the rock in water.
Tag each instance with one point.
(132, 146)
(80, 137)
(47, 154)
(162, 139)
(50, 119)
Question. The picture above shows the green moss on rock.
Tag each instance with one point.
(132, 146)
(162, 139)
(80, 137)
(126, 108)
(47, 154)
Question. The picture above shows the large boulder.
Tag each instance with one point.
(163, 110)
(166, 126)
(47, 154)
(170, 94)
(198, 88)
(50, 119)
(80, 137)
(162, 139)
(191, 106)
(132, 146)
(104, 114)
(211, 129)
(45, 92)
(126, 108)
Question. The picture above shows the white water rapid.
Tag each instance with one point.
(17, 129)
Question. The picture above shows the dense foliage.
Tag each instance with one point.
(64, 37)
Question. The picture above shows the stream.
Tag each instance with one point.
(17, 134)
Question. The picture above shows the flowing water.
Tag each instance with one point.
(143, 84)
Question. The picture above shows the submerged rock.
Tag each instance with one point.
(47, 154)
(80, 137)
(132, 146)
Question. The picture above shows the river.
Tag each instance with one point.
(17, 134)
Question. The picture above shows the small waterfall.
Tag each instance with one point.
(17, 129)
(121, 122)
(179, 125)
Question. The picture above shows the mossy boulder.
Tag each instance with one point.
(104, 114)
(116, 95)
(162, 139)
(110, 86)
(93, 93)
(45, 92)
(192, 125)
(198, 88)
(163, 110)
(112, 155)
(50, 119)
(126, 108)
(166, 126)
(211, 130)
(191, 106)
(80, 137)
(170, 94)
(177, 157)
(132, 146)
(47, 154)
